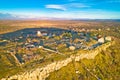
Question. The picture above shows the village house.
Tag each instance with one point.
(108, 38)
(72, 48)
(39, 34)
(101, 40)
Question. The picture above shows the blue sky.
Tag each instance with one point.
(92, 9)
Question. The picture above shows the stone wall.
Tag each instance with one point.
(43, 73)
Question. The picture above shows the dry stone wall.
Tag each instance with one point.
(43, 73)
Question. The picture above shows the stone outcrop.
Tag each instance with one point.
(43, 73)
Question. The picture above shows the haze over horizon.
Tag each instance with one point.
(62, 9)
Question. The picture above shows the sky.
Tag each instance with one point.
(67, 9)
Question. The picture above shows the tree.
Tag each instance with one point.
(67, 34)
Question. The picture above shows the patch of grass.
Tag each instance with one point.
(105, 66)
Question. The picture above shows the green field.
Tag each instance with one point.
(105, 66)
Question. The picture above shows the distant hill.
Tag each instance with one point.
(108, 20)
(8, 16)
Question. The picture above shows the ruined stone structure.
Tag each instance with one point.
(43, 73)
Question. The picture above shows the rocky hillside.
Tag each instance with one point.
(44, 72)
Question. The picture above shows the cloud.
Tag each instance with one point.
(77, 5)
(95, 1)
(64, 7)
(57, 7)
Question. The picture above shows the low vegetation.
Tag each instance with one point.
(105, 66)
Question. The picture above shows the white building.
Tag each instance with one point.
(101, 40)
(108, 38)
(39, 34)
(72, 48)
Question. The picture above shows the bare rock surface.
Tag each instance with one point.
(44, 72)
